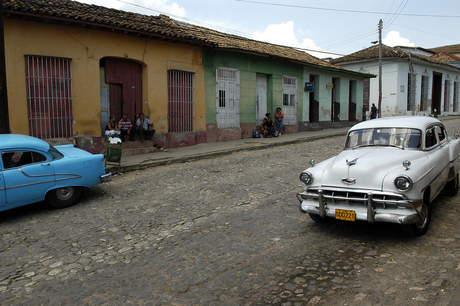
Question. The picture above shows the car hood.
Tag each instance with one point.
(367, 167)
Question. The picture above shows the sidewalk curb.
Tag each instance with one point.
(213, 154)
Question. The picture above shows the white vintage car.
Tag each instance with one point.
(390, 171)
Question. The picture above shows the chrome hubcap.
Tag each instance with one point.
(64, 193)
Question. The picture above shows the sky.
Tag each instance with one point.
(326, 28)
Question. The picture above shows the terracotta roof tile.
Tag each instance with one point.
(452, 49)
(97, 15)
(387, 52)
(66, 10)
(443, 57)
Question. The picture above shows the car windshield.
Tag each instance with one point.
(394, 137)
(55, 153)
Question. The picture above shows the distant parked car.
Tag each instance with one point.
(31, 171)
(390, 171)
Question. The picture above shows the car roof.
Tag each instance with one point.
(414, 122)
(17, 141)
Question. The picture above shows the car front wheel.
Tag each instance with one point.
(421, 227)
(63, 197)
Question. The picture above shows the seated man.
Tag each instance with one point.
(269, 126)
(144, 128)
(125, 128)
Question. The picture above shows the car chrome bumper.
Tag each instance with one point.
(366, 208)
(106, 177)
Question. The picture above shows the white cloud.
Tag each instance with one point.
(165, 6)
(283, 34)
(393, 38)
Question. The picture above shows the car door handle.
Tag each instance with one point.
(47, 164)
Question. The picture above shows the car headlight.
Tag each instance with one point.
(403, 182)
(306, 178)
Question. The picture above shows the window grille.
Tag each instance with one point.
(447, 94)
(456, 100)
(424, 95)
(411, 92)
(289, 100)
(180, 101)
(49, 96)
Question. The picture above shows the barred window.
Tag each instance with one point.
(447, 94)
(424, 96)
(456, 100)
(289, 100)
(49, 96)
(289, 90)
(180, 101)
(411, 81)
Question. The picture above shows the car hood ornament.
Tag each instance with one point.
(352, 162)
(348, 180)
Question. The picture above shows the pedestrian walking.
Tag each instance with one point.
(373, 111)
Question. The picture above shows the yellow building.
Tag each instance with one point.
(69, 66)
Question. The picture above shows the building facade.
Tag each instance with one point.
(412, 84)
(70, 66)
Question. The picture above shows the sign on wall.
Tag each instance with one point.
(309, 87)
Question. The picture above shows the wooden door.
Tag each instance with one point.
(261, 98)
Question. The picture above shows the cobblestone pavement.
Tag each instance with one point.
(223, 231)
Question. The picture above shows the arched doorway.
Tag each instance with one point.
(121, 89)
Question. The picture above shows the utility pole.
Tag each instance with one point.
(380, 69)
(4, 117)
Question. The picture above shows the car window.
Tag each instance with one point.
(415, 139)
(441, 132)
(55, 153)
(12, 159)
(395, 137)
(430, 138)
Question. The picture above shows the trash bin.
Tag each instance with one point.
(113, 151)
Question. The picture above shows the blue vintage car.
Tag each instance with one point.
(31, 171)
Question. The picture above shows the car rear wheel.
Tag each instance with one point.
(63, 197)
(421, 227)
(451, 187)
(318, 218)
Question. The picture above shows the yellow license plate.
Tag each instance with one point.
(347, 215)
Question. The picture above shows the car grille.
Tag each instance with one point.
(337, 196)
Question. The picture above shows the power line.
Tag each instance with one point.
(369, 33)
(344, 11)
(231, 31)
(435, 34)
(396, 14)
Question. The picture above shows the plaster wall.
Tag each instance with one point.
(395, 85)
(324, 95)
(86, 48)
(249, 66)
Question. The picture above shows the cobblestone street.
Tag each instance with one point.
(222, 231)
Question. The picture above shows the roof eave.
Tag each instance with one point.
(97, 26)
(299, 62)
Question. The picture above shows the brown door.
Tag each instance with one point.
(116, 100)
(125, 85)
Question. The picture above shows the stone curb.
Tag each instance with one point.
(212, 154)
